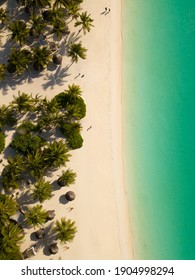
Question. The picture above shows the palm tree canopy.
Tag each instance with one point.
(42, 57)
(38, 25)
(2, 71)
(85, 21)
(42, 190)
(67, 178)
(10, 238)
(36, 216)
(65, 230)
(19, 30)
(22, 103)
(8, 207)
(75, 51)
(20, 60)
(56, 154)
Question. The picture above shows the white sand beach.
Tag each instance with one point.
(100, 208)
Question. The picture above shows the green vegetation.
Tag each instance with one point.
(38, 22)
(56, 154)
(19, 61)
(8, 207)
(26, 127)
(11, 237)
(39, 32)
(66, 178)
(2, 71)
(41, 58)
(36, 216)
(65, 230)
(12, 172)
(76, 51)
(2, 141)
(85, 22)
(19, 31)
(42, 190)
(27, 144)
(10, 234)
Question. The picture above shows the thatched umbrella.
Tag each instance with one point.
(57, 58)
(40, 234)
(50, 215)
(11, 68)
(53, 248)
(53, 46)
(70, 195)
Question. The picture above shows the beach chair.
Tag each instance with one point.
(30, 252)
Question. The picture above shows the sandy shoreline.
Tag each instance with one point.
(100, 209)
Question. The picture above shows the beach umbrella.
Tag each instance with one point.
(50, 215)
(70, 195)
(57, 59)
(40, 233)
(11, 68)
(53, 248)
(52, 46)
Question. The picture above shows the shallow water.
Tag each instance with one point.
(159, 100)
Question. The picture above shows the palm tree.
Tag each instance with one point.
(38, 26)
(19, 30)
(48, 121)
(49, 114)
(42, 190)
(2, 71)
(12, 173)
(76, 51)
(73, 91)
(73, 9)
(7, 116)
(36, 164)
(65, 230)
(3, 16)
(56, 154)
(22, 103)
(42, 57)
(60, 27)
(27, 143)
(49, 106)
(76, 111)
(11, 236)
(73, 6)
(66, 178)
(36, 216)
(2, 141)
(19, 61)
(35, 4)
(85, 22)
(8, 207)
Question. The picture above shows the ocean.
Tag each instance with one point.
(159, 125)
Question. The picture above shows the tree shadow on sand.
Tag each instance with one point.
(48, 239)
(58, 78)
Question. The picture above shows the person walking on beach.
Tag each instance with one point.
(104, 11)
(108, 12)
(89, 128)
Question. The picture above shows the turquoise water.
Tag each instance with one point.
(159, 73)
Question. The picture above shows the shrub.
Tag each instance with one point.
(72, 133)
(70, 103)
(27, 144)
(75, 141)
